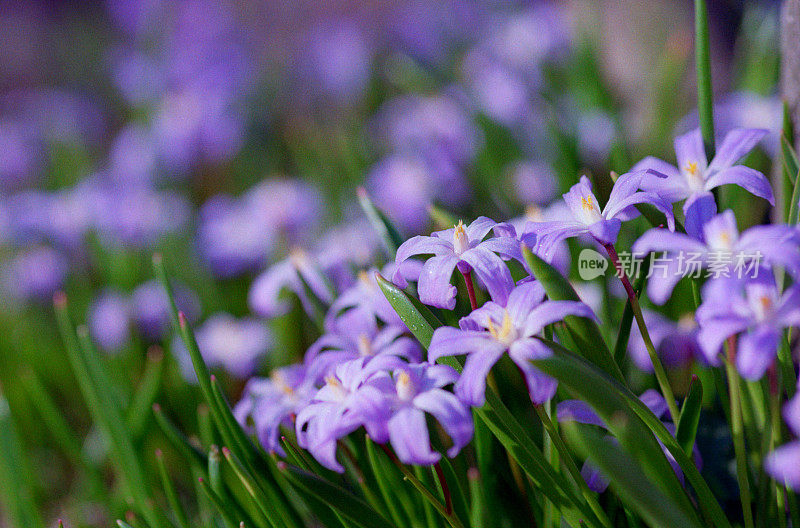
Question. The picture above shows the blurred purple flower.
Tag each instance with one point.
(603, 226)
(534, 182)
(783, 464)
(753, 308)
(265, 297)
(109, 320)
(150, 308)
(491, 330)
(499, 91)
(35, 274)
(694, 177)
(269, 403)
(132, 158)
(463, 247)
(292, 207)
(345, 248)
(237, 345)
(139, 217)
(21, 154)
(405, 185)
(676, 343)
(721, 247)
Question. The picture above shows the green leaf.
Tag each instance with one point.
(705, 94)
(145, 395)
(16, 486)
(479, 514)
(624, 334)
(790, 162)
(390, 487)
(585, 332)
(188, 451)
(577, 374)
(417, 317)
(174, 503)
(626, 478)
(345, 503)
(386, 230)
(442, 218)
(222, 506)
(690, 416)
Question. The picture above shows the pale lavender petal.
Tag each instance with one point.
(737, 143)
(522, 300)
(745, 177)
(699, 209)
(434, 282)
(712, 335)
(756, 352)
(479, 228)
(665, 274)
(619, 206)
(471, 386)
(659, 239)
(788, 312)
(408, 434)
(552, 311)
(689, 149)
(492, 271)
(578, 411)
(667, 169)
(556, 230)
(449, 341)
(541, 387)
(791, 413)
(422, 245)
(606, 231)
(451, 413)
(655, 402)
(783, 464)
(504, 246)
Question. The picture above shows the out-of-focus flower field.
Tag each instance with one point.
(272, 157)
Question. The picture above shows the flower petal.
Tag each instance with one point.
(471, 386)
(711, 335)
(434, 282)
(783, 464)
(552, 311)
(449, 341)
(408, 434)
(745, 177)
(492, 271)
(578, 411)
(737, 143)
(451, 413)
(479, 228)
(756, 351)
(699, 209)
(689, 149)
(541, 387)
(659, 239)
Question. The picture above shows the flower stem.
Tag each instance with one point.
(473, 301)
(737, 430)
(451, 517)
(658, 368)
(566, 458)
(448, 500)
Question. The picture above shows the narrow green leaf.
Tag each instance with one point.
(479, 514)
(588, 376)
(417, 317)
(705, 93)
(174, 503)
(386, 230)
(188, 451)
(584, 331)
(627, 479)
(391, 488)
(790, 161)
(348, 505)
(442, 218)
(146, 393)
(223, 507)
(16, 490)
(690, 416)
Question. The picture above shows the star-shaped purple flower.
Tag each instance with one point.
(463, 247)
(753, 308)
(490, 331)
(603, 224)
(720, 245)
(694, 177)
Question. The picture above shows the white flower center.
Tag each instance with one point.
(405, 387)
(506, 334)
(589, 212)
(460, 239)
(338, 388)
(694, 176)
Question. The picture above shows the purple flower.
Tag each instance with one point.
(720, 246)
(391, 407)
(602, 225)
(406, 184)
(490, 331)
(110, 320)
(534, 182)
(784, 463)
(358, 336)
(344, 248)
(150, 308)
(235, 344)
(268, 403)
(35, 274)
(753, 308)
(676, 343)
(265, 293)
(139, 216)
(291, 207)
(412, 391)
(365, 298)
(579, 411)
(461, 246)
(694, 177)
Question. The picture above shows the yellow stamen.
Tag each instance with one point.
(280, 381)
(364, 345)
(506, 329)
(587, 203)
(691, 168)
(404, 386)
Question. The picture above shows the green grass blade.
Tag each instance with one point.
(705, 93)
(627, 479)
(585, 332)
(146, 393)
(388, 233)
(690, 416)
(174, 503)
(417, 317)
(16, 490)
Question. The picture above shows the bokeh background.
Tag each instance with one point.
(225, 135)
